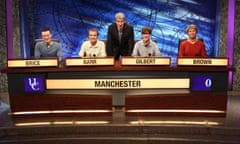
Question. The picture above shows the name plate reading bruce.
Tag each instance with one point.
(202, 61)
(89, 61)
(146, 61)
(117, 83)
(33, 63)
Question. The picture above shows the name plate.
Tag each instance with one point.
(89, 61)
(117, 83)
(146, 61)
(202, 61)
(33, 63)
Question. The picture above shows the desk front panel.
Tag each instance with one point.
(28, 90)
(32, 83)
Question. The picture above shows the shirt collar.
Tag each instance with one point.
(95, 46)
(149, 45)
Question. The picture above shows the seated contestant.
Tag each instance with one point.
(47, 47)
(93, 47)
(146, 47)
(192, 47)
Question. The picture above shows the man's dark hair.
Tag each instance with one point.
(146, 30)
(45, 29)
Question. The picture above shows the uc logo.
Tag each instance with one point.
(34, 84)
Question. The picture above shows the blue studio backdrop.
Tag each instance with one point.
(70, 20)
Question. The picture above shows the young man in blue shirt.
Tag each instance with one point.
(146, 47)
(47, 47)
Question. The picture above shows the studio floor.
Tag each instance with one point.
(120, 128)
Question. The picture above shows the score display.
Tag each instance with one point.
(201, 83)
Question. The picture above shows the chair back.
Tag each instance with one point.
(39, 40)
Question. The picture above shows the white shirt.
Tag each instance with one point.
(141, 50)
(88, 50)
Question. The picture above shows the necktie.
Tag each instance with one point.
(119, 35)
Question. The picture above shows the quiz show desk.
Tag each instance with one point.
(142, 86)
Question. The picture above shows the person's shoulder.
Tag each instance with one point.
(39, 44)
(200, 41)
(185, 41)
(100, 42)
(58, 44)
(128, 25)
(86, 43)
(153, 42)
(54, 42)
(138, 43)
(112, 25)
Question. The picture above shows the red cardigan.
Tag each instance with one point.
(188, 49)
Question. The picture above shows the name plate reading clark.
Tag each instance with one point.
(146, 61)
(202, 61)
(14, 63)
(89, 61)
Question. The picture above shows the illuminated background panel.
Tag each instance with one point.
(70, 20)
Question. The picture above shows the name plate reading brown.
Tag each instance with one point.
(14, 63)
(146, 61)
(89, 61)
(202, 61)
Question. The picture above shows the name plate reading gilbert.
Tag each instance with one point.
(202, 61)
(33, 63)
(146, 61)
(89, 61)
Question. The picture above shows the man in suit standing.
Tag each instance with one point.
(120, 38)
